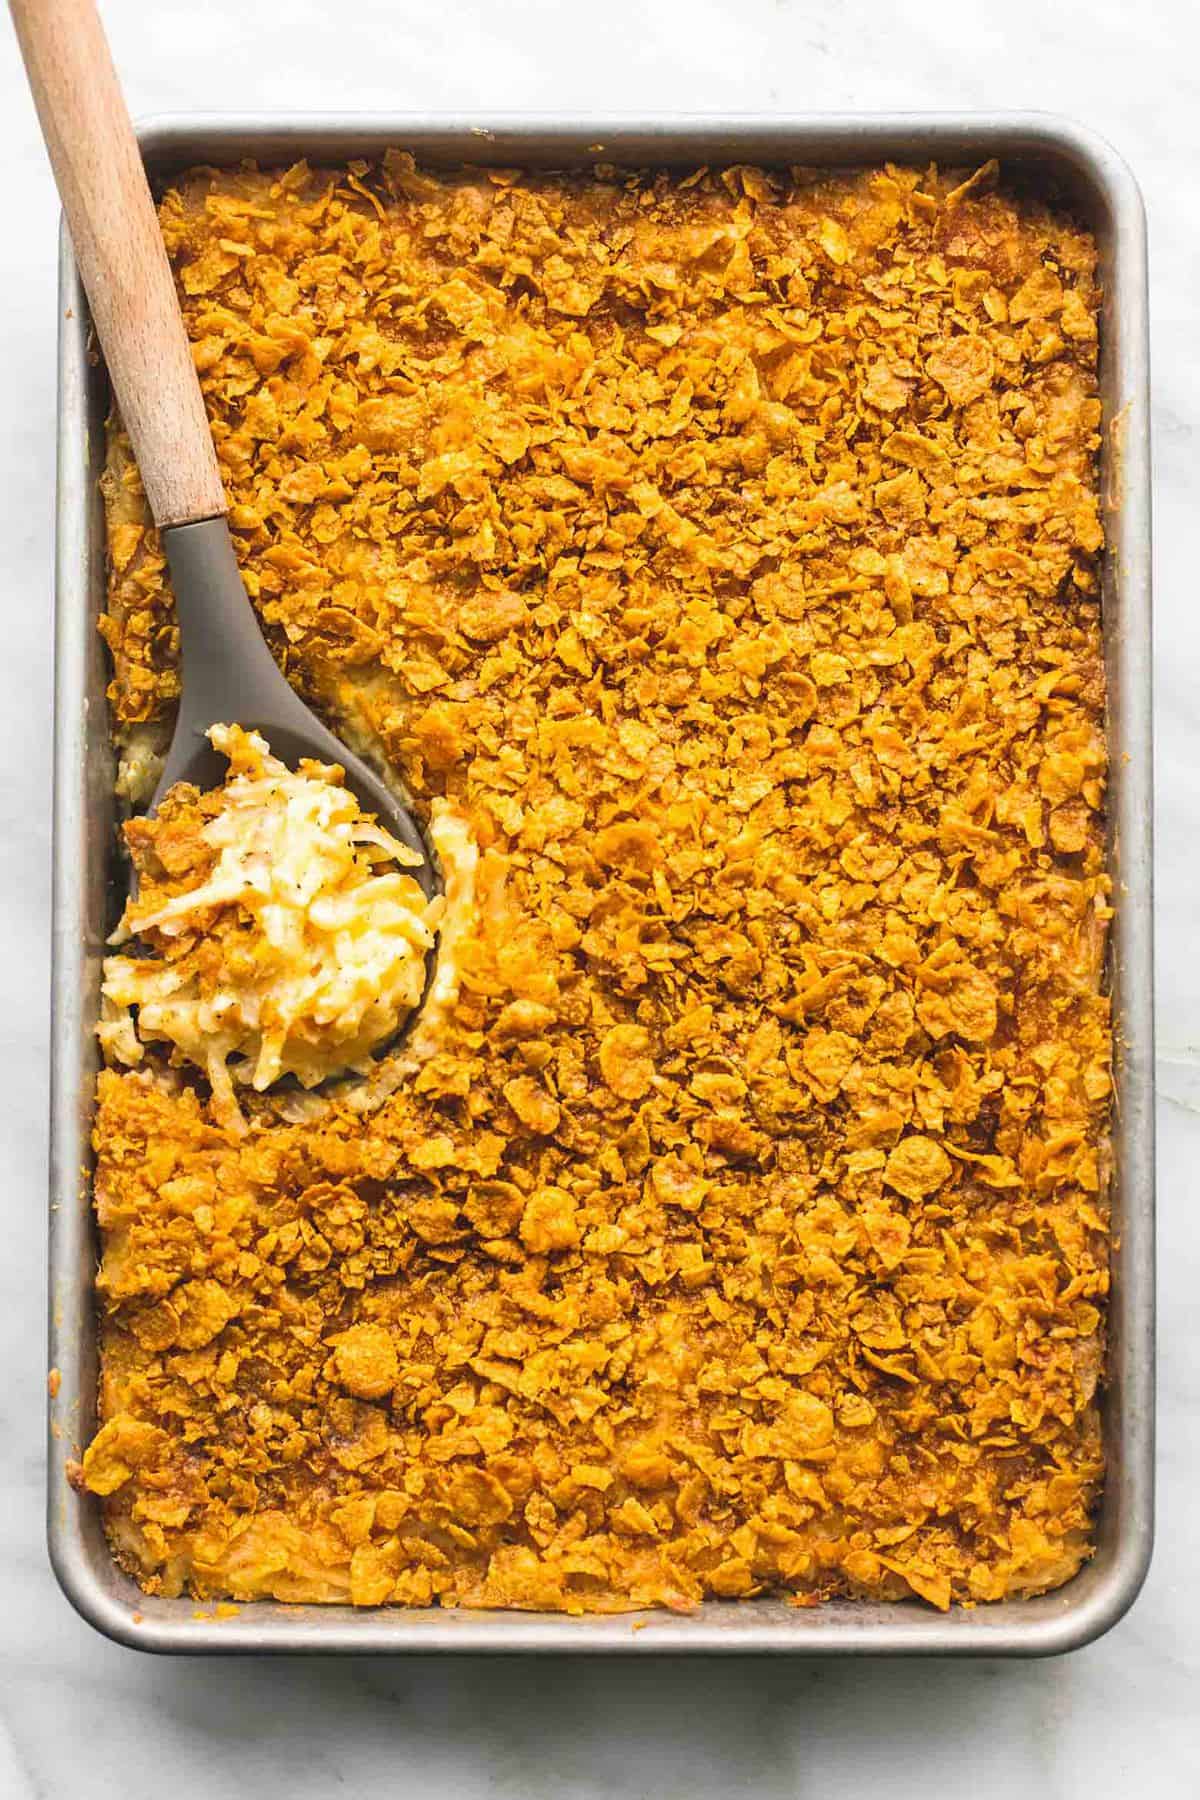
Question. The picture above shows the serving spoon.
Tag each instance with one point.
(228, 674)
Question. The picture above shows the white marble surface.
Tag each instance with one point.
(79, 1716)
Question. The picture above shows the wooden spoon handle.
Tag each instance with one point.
(119, 249)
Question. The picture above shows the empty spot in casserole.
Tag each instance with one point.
(284, 931)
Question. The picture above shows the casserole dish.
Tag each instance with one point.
(1079, 172)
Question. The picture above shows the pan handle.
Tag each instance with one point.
(121, 257)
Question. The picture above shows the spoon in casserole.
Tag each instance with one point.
(228, 673)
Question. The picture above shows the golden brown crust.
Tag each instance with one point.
(727, 550)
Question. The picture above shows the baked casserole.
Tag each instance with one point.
(719, 554)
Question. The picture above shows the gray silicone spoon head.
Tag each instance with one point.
(229, 677)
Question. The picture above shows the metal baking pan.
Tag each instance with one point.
(1086, 174)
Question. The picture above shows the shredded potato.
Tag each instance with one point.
(281, 937)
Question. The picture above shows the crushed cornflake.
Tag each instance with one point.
(724, 550)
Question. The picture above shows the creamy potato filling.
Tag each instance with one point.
(292, 940)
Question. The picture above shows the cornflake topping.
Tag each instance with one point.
(724, 550)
